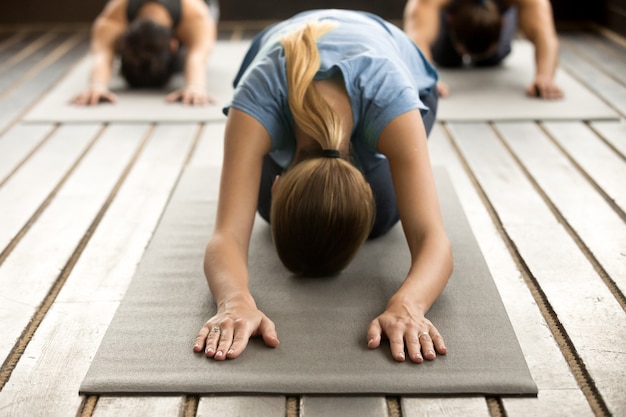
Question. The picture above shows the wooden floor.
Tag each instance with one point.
(79, 202)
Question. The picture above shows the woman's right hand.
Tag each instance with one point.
(226, 334)
(94, 95)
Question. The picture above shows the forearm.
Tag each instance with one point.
(421, 23)
(226, 272)
(195, 69)
(546, 55)
(102, 69)
(537, 24)
(429, 273)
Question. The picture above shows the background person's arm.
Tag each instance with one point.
(197, 31)
(421, 23)
(403, 142)
(226, 256)
(105, 33)
(537, 23)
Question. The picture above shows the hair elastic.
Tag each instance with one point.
(330, 153)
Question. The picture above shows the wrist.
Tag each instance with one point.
(98, 86)
(195, 87)
(407, 303)
(235, 301)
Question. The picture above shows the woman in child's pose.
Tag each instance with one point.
(326, 137)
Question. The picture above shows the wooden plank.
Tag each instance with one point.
(16, 145)
(24, 193)
(324, 406)
(601, 229)
(15, 69)
(54, 237)
(244, 406)
(599, 161)
(40, 78)
(598, 52)
(12, 48)
(614, 133)
(211, 146)
(69, 335)
(543, 356)
(571, 286)
(140, 406)
(444, 406)
(610, 90)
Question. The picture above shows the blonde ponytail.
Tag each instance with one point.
(310, 110)
(322, 208)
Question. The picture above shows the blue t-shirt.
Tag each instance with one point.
(383, 70)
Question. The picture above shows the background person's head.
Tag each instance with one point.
(322, 208)
(148, 54)
(475, 28)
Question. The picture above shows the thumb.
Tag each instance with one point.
(374, 334)
(268, 332)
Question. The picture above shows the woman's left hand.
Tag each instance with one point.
(191, 96)
(407, 331)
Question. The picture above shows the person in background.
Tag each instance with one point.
(453, 32)
(326, 138)
(154, 39)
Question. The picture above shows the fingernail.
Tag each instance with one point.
(230, 352)
(401, 356)
(431, 353)
(219, 354)
(209, 350)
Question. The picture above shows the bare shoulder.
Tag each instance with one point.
(115, 10)
(526, 3)
(194, 10)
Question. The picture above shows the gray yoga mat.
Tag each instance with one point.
(498, 93)
(143, 105)
(321, 322)
(477, 95)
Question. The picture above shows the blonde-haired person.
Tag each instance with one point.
(154, 40)
(326, 138)
(453, 32)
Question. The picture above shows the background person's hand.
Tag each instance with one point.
(226, 335)
(94, 95)
(407, 331)
(545, 88)
(443, 89)
(191, 96)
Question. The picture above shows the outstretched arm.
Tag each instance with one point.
(404, 323)
(226, 256)
(198, 32)
(537, 24)
(421, 24)
(106, 31)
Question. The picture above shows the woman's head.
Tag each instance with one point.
(148, 58)
(322, 209)
(475, 27)
(322, 212)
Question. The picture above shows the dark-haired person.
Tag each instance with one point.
(154, 39)
(326, 137)
(450, 32)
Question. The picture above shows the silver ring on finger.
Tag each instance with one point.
(419, 335)
(215, 330)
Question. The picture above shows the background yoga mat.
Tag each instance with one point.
(146, 105)
(498, 93)
(321, 322)
(476, 94)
